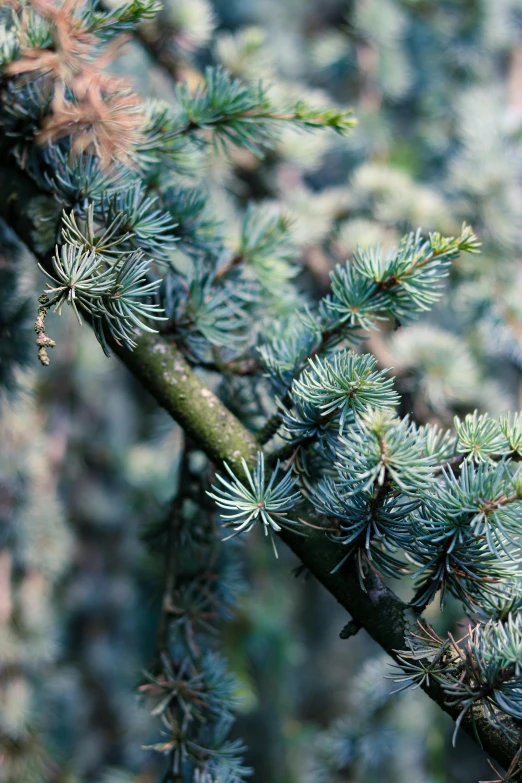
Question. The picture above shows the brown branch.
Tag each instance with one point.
(43, 341)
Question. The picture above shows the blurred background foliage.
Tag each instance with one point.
(88, 463)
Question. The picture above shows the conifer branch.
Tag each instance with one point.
(158, 364)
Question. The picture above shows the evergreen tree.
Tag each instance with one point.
(292, 423)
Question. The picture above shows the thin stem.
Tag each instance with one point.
(170, 578)
(454, 462)
(268, 431)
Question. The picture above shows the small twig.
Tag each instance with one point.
(513, 774)
(318, 527)
(287, 452)
(454, 462)
(350, 629)
(269, 429)
(170, 577)
(224, 270)
(42, 340)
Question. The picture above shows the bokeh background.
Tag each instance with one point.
(88, 462)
